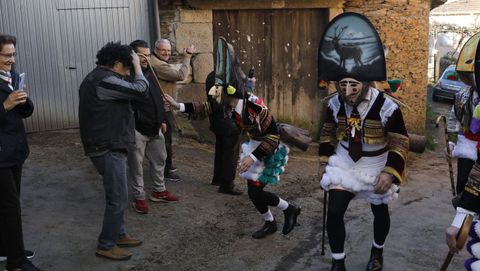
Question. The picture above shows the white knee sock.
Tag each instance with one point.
(267, 216)
(338, 256)
(282, 205)
(377, 245)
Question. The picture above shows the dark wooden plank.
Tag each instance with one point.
(250, 33)
(282, 46)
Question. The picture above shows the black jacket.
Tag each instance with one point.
(13, 139)
(150, 111)
(105, 113)
(220, 125)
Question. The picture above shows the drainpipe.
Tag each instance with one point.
(156, 22)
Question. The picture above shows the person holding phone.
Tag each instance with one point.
(16, 105)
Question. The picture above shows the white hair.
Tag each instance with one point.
(162, 41)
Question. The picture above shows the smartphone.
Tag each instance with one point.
(21, 81)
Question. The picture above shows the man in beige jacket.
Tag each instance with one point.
(168, 75)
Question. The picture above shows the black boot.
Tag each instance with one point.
(268, 228)
(291, 214)
(229, 190)
(376, 260)
(338, 265)
(27, 266)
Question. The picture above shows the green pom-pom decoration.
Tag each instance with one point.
(274, 166)
(268, 171)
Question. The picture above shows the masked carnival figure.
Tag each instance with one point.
(464, 120)
(263, 156)
(363, 142)
(467, 112)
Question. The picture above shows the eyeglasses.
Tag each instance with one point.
(162, 50)
(10, 56)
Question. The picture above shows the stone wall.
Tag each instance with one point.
(183, 28)
(403, 27)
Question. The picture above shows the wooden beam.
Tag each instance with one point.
(437, 3)
(263, 4)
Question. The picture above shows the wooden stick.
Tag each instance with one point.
(462, 237)
(325, 195)
(447, 261)
(157, 82)
(449, 154)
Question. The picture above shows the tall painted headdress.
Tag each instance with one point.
(228, 73)
(351, 47)
(468, 69)
(468, 62)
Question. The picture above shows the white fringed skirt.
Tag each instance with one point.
(358, 177)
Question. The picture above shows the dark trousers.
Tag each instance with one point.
(11, 235)
(226, 158)
(464, 166)
(337, 206)
(261, 198)
(168, 140)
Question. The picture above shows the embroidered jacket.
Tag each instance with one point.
(260, 125)
(465, 103)
(381, 124)
(470, 199)
(254, 119)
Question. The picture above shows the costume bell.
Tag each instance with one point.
(363, 142)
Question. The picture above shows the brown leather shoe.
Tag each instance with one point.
(115, 253)
(128, 241)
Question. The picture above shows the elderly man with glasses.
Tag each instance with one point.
(168, 75)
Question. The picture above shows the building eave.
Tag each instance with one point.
(263, 4)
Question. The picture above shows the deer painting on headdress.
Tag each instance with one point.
(346, 51)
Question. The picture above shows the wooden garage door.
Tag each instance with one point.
(282, 46)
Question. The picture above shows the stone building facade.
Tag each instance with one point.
(402, 24)
(403, 27)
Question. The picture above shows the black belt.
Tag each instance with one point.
(370, 153)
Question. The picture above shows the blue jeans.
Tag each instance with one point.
(113, 168)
